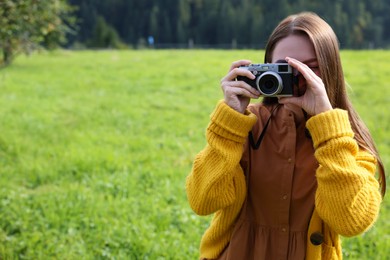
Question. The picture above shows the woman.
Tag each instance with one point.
(311, 179)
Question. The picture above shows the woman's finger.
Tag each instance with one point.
(234, 73)
(302, 68)
(239, 63)
(240, 87)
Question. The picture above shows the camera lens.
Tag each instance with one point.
(269, 83)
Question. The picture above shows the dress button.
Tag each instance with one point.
(316, 238)
(284, 197)
(289, 160)
(283, 229)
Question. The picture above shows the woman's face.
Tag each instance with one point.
(297, 46)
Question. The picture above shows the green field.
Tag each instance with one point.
(95, 147)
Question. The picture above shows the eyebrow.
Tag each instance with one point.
(310, 60)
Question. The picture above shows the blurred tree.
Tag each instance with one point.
(26, 25)
(183, 21)
(105, 36)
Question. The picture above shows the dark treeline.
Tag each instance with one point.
(221, 23)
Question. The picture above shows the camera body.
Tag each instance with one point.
(272, 79)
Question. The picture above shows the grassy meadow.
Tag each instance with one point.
(95, 147)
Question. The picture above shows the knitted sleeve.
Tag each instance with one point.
(216, 179)
(348, 197)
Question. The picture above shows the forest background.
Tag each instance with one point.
(220, 23)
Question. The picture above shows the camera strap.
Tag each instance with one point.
(256, 145)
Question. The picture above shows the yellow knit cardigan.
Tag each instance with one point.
(347, 199)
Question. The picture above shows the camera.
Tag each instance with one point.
(272, 79)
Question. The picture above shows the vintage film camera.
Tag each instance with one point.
(272, 79)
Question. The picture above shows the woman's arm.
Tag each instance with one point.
(348, 197)
(217, 180)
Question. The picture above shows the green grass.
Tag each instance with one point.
(95, 148)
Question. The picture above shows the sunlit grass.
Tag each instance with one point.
(95, 148)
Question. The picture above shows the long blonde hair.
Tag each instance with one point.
(327, 50)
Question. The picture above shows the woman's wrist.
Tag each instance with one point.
(326, 106)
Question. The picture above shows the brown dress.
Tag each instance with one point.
(281, 183)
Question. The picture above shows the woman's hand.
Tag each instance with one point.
(314, 100)
(238, 93)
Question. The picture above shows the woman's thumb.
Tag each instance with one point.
(290, 100)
